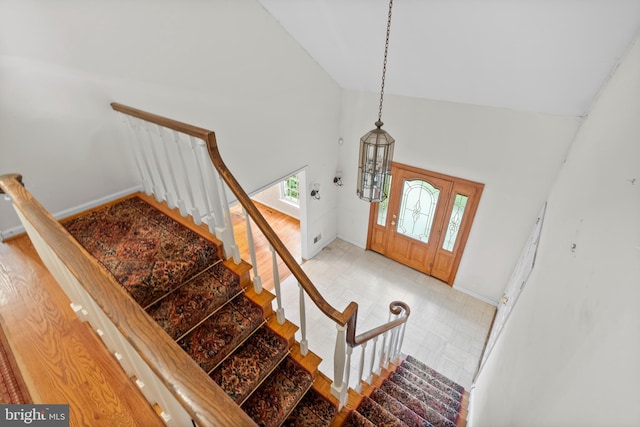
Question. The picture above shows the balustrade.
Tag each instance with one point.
(180, 164)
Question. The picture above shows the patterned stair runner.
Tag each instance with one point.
(276, 398)
(248, 366)
(312, 411)
(221, 333)
(147, 252)
(413, 395)
(183, 309)
(179, 278)
(356, 419)
(400, 411)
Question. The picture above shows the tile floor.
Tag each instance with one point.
(446, 329)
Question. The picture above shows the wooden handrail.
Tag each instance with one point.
(198, 394)
(349, 315)
(396, 307)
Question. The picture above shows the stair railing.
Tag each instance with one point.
(168, 378)
(217, 171)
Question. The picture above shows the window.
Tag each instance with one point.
(289, 190)
(455, 220)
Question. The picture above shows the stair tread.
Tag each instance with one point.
(148, 252)
(411, 361)
(377, 414)
(212, 340)
(415, 404)
(398, 409)
(356, 419)
(181, 310)
(278, 394)
(250, 364)
(314, 410)
(447, 396)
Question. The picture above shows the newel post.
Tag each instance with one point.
(339, 387)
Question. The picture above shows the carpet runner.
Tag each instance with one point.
(276, 398)
(12, 387)
(179, 278)
(249, 365)
(313, 411)
(147, 252)
(183, 309)
(413, 395)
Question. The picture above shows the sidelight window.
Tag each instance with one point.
(455, 220)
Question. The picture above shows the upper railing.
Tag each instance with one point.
(164, 182)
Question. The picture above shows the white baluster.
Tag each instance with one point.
(226, 227)
(339, 388)
(174, 200)
(148, 180)
(135, 148)
(373, 360)
(347, 374)
(161, 187)
(198, 181)
(392, 344)
(363, 349)
(383, 353)
(257, 280)
(399, 352)
(276, 282)
(185, 178)
(304, 344)
(196, 149)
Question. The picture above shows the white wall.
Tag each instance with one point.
(569, 353)
(223, 65)
(515, 154)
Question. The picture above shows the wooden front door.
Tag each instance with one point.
(425, 221)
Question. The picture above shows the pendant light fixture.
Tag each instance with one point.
(376, 148)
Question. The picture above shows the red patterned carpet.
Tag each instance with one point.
(181, 281)
(146, 251)
(12, 388)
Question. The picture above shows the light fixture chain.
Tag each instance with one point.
(384, 63)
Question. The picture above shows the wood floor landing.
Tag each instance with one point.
(61, 359)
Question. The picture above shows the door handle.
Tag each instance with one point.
(393, 223)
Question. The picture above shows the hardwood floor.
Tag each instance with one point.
(62, 360)
(287, 228)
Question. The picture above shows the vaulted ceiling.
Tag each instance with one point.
(548, 56)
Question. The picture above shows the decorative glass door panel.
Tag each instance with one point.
(459, 203)
(417, 209)
(425, 221)
(383, 206)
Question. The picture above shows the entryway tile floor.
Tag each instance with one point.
(447, 329)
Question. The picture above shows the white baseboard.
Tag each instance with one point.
(5, 234)
(475, 295)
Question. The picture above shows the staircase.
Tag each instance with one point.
(411, 394)
(208, 306)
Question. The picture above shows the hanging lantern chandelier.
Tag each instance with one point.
(376, 148)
